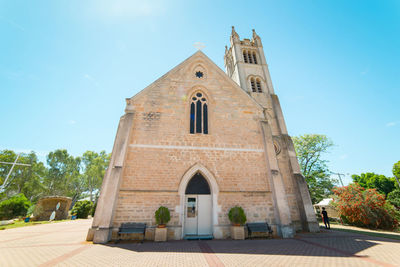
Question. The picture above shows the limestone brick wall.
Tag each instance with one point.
(161, 149)
(258, 206)
(163, 169)
(136, 206)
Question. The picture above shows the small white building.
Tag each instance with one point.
(327, 204)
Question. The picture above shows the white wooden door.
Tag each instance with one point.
(198, 219)
(191, 215)
(204, 222)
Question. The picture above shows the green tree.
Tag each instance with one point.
(394, 198)
(94, 167)
(381, 183)
(82, 209)
(63, 177)
(396, 172)
(309, 150)
(23, 179)
(14, 206)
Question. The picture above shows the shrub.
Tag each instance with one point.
(15, 206)
(31, 211)
(237, 216)
(394, 198)
(93, 209)
(82, 209)
(162, 215)
(365, 208)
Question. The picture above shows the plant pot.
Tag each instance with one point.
(237, 232)
(236, 224)
(161, 234)
(161, 226)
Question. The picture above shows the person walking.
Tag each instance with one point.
(325, 218)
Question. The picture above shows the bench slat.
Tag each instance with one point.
(261, 227)
(132, 228)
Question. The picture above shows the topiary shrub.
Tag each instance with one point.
(237, 216)
(15, 206)
(162, 215)
(82, 209)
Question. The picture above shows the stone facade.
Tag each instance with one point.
(247, 157)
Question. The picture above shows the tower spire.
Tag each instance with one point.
(234, 36)
(256, 38)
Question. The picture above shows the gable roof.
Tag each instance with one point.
(189, 60)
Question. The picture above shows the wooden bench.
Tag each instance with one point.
(132, 228)
(258, 227)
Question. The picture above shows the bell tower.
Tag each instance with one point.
(245, 64)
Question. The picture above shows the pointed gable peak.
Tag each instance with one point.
(197, 65)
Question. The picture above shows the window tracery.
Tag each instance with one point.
(199, 114)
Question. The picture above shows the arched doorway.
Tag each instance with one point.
(198, 208)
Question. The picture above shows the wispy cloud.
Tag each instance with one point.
(392, 123)
(90, 78)
(365, 71)
(12, 23)
(344, 156)
(71, 122)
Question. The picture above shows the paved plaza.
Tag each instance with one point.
(62, 244)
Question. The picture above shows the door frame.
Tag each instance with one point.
(214, 190)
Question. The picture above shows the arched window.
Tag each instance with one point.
(253, 85)
(245, 57)
(259, 89)
(254, 58)
(198, 114)
(198, 185)
(250, 57)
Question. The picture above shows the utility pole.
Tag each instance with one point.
(3, 186)
(340, 177)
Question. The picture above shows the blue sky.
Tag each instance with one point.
(66, 68)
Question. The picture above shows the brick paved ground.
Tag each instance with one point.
(62, 244)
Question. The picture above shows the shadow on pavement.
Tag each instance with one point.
(326, 243)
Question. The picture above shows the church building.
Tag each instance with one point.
(199, 138)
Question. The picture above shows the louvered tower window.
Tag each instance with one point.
(253, 85)
(258, 83)
(245, 57)
(250, 57)
(254, 58)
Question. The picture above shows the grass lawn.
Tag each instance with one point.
(377, 234)
(22, 224)
(368, 232)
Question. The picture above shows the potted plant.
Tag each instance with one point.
(238, 218)
(162, 216)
